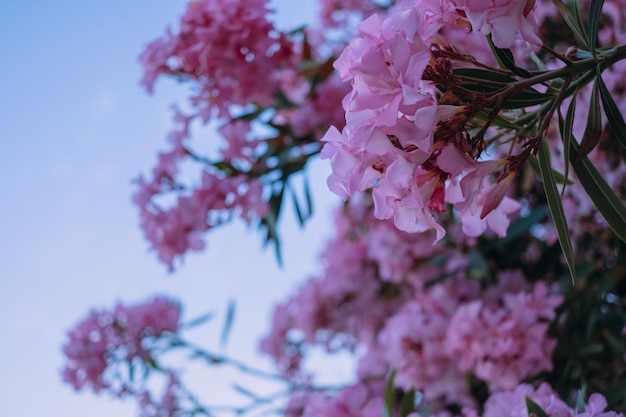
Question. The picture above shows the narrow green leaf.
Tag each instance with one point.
(307, 196)
(575, 9)
(616, 121)
(534, 408)
(497, 121)
(296, 206)
(558, 177)
(131, 372)
(567, 135)
(593, 130)
(246, 392)
(281, 101)
(480, 74)
(580, 401)
(518, 101)
(270, 221)
(607, 203)
(573, 21)
(506, 60)
(228, 323)
(556, 206)
(540, 64)
(297, 30)
(595, 10)
(408, 404)
(389, 395)
(199, 320)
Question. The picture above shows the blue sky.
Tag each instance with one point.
(76, 128)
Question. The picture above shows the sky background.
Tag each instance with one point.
(76, 128)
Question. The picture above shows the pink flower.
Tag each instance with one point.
(513, 403)
(505, 344)
(106, 339)
(503, 19)
(228, 47)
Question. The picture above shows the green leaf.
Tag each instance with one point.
(616, 121)
(595, 10)
(297, 30)
(556, 206)
(228, 323)
(558, 177)
(270, 221)
(540, 64)
(534, 408)
(567, 135)
(573, 21)
(199, 320)
(389, 395)
(480, 74)
(408, 404)
(607, 203)
(246, 392)
(506, 60)
(593, 130)
(580, 401)
(281, 101)
(296, 206)
(307, 196)
(497, 121)
(490, 82)
(575, 9)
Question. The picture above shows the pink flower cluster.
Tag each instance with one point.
(228, 47)
(503, 20)
(106, 338)
(180, 228)
(402, 144)
(383, 295)
(359, 400)
(504, 342)
(174, 231)
(513, 404)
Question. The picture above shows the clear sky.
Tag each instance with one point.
(75, 129)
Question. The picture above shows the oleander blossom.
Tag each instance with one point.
(503, 20)
(505, 341)
(178, 229)
(360, 400)
(513, 403)
(108, 337)
(229, 47)
(404, 145)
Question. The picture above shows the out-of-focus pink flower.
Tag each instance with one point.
(513, 403)
(228, 47)
(105, 338)
(505, 344)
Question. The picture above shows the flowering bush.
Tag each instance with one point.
(478, 262)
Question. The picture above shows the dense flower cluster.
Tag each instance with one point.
(250, 78)
(404, 317)
(400, 141)
(513, 403)
(444, 280)
(107, 338)
(229, 48)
